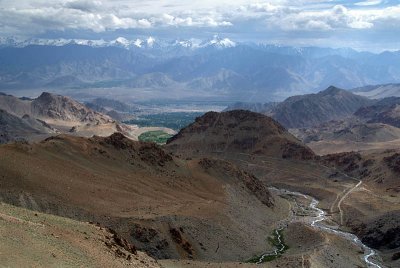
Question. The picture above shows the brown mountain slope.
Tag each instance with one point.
(378, 168)
(348, 135)
(167, 206)
(372, 211)
(360, 206)
(50, 106)
(56, 107)
(237, 131)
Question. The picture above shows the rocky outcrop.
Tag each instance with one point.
(393, 162)
(382, 232)
(149, 153)
(385, 111)
(253, 184)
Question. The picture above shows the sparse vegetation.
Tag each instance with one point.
(278, 242)
(159, 137)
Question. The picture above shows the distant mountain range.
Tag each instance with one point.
(217, 68)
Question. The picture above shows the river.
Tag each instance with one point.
(316, 221)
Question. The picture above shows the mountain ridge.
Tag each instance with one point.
(313, 109)
(238, 131)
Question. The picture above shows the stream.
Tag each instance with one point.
(316, 222)
(280, 249)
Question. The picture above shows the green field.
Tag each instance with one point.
(159, 137)
(173, 120)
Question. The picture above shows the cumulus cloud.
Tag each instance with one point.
(277, 19)
(337, 17)
(94, 15)
(84, 5)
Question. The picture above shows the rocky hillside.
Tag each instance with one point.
(384, 111)
(238, 131)
(13, 128)
(166, 206)
(50, 113)
(61, 242)
(50, 106)
(117, 110)
(380, 168)
(347, 135)
(314, 109)
(374, 212)
(58, 107)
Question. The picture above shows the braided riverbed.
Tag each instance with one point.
(315, 218)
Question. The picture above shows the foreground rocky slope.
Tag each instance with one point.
(29, 238)
(169, 207)
(238, 131)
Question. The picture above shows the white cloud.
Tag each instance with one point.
(84, 5)
(274, 18)
(369, 3)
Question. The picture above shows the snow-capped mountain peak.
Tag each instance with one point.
(221, 42)
(138, 43)
(122, 42)
(150, 41)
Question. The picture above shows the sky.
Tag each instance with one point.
(362, 24)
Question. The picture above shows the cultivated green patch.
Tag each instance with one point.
(173, 120)
(278, 242)
(158, 136)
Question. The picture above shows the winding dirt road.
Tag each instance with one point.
(343, 198)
